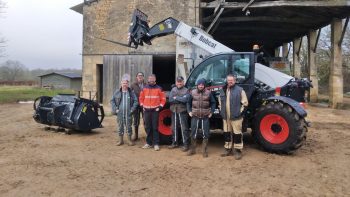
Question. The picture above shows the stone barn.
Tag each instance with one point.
(239, 24)
(60, 80)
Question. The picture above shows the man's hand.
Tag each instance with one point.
(209, 116)
(157, 109)
(116, 111)
(174, 97)
(190, 113)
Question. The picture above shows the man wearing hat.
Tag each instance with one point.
(124, 102)
(178, 98)
(201, 106)
(137, 87)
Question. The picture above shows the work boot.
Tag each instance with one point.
(130, 142)
(136, 136)
(172, 146)
(227, 152)
(192, 150)
(185, 148)
(121, 141)
(237, 153)
(205, 148)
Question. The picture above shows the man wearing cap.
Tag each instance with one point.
(178, 98)
(152, 100)
(124, 102)
(137, 88)
(233, 100)
(201, 106)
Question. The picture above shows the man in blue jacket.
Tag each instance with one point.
(124, 103)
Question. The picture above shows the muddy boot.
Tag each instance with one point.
(121, 141)
(130, 142)
(237, 153)
(185, 148)
(136, 136)
(192, 150)
(172, 146)
(227, 152)
(205, 148)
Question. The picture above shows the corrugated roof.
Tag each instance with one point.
(65, 74)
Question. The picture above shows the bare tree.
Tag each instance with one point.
(12, 70)
(2, 40)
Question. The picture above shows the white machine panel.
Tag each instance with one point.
(264, 74)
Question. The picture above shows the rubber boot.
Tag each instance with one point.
(136, 136)
(172, 146)
(237, 153)
(227, 152)
(205, 148)
(130, 142)
(192, 150)
(185, 148)
(121, 141)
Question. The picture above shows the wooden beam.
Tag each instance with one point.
(248, 4)
(317, 39)
(343, 32)
(294, 20)
(282, 3)
(214, 21)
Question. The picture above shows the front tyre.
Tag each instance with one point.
(278, 128)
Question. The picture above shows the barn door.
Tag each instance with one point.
(115, 66)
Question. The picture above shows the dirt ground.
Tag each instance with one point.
(35, 162)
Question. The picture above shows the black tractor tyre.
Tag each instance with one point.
(277, 128)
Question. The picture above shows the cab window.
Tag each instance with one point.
(213, 70)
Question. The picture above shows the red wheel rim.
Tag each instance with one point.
(274, 128)
(165, 122)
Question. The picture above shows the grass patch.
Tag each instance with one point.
(11, 94)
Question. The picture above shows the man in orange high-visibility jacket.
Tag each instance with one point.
(152, 100)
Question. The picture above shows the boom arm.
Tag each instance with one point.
(140, 33)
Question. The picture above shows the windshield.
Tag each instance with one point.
(215, 69)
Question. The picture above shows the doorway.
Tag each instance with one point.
(164, 67)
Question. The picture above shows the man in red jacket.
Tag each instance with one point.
(152, 100)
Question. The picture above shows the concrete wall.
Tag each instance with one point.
(110, 19)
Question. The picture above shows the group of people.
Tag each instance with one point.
(129, 103)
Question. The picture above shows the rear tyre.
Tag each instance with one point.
(164, 128)
(278, 128)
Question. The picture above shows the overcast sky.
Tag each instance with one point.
(42, 34)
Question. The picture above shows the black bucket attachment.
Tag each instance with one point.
(68, 111)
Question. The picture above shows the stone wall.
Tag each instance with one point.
(110, 19)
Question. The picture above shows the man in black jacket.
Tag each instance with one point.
(137, 87)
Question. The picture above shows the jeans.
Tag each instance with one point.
(202, 123)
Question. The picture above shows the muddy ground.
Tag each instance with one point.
(35, 162)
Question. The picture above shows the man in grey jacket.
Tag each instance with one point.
(178, 98)
(124, 103)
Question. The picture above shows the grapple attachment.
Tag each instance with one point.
(68, 111)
